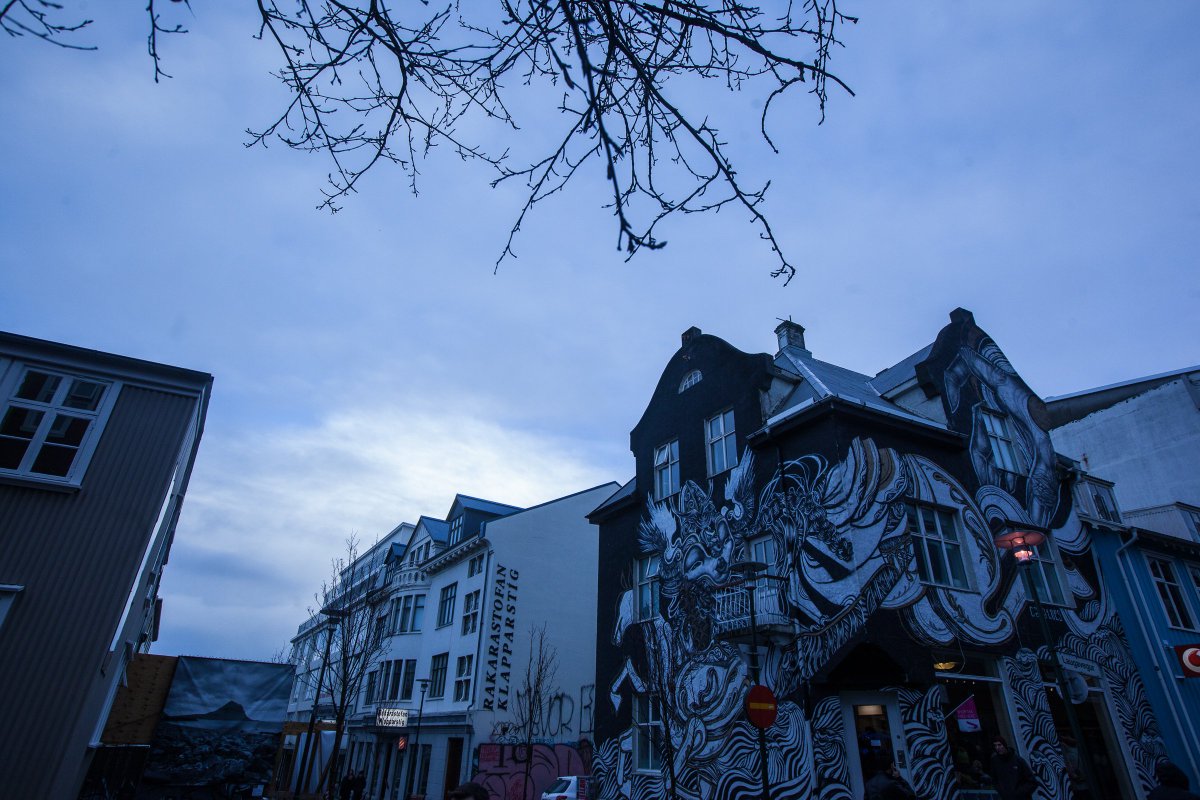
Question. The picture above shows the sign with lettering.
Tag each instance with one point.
(1189, 659)
(501, 636)
(392, 718)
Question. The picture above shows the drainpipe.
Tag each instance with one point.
(1168, 685)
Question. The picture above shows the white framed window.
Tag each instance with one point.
(1005, 453)
(475, 566)
(721, 442)
(437, 674)
(446, 605)
(462, 678)
(470, 617)
(50, 423)
(648, 733)
(647, 589)
(456, 530)
(690, 380)
(937, 545)
(666, 469)
(1170, 593)
(762, 550)
(409, 679)
(1042, 568)
(1097, 500)
(409, 613)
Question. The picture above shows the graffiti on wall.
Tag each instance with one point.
(843, 535)
(518, 772)
(502, 631)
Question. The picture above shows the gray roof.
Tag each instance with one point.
(486, 506)
(901, 372)
(439, 529)
(829, 380)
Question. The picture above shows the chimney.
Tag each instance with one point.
(690, 334)
(791, 334)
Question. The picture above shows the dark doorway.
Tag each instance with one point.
(454, 753)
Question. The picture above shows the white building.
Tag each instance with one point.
(459, 602)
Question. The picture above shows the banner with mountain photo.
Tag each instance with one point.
(220, 725)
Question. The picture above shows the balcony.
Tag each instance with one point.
(731, 619)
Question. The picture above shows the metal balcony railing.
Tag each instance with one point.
(732, 614)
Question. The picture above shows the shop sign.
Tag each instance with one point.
(392, 718)
(1081, 665)
(1189, 659)
(968, 716)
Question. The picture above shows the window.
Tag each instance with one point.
(690, 380)
(462, 679)
(762, 550)
(722, 446)
(408, 613)
(410, 677)
(470, 619)
(647, 588)
(372, 684)
(437, 674)
(1005, 455)
(475, 566)
(50, 424)
(446, 605)
(937, 545)
(666, 469)
(1170, 593)
(1043, 571)
(648, 732)
(456, 530)
(8, 593)
(1105, 502)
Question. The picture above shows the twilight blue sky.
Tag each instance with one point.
(1036, 163)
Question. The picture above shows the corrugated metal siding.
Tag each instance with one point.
(77, 554)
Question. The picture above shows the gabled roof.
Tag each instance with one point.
(438, 529)
(617, 498)
(901, 372)
(1075, 406)
(478, 504)
(395, 552)
(824, 380)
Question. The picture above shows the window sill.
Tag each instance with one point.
(28, 482)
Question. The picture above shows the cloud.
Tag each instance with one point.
(267, 512)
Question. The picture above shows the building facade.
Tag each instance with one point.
(463, 606)
(891, 624)
(1144, 434)
(95, 455)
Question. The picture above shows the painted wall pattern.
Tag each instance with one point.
(516, 772)
(839, 535)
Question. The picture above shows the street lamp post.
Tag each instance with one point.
(1022, 544)
(413, 758)
(752, 571)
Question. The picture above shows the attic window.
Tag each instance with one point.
(690, 380)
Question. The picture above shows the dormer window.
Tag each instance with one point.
(690, 380)
(456, 530)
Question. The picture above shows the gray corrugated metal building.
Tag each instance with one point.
(95, 454)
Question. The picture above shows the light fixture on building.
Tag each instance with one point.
(945, 666)
(1020, 542)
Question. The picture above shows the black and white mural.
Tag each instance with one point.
(838, 533)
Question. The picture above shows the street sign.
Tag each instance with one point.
(1189, 659)
(761, 708)
(392, 718)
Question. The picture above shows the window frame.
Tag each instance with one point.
(646, 581)
(464, 671)
(439, 665)
(669, 467)
(446, 603)
(470, 612)
(12, 378)
(689, 380)
(1164, 583)
(762, 549)
(1003, 434)
(1045, 558)
(725, 442)
(647, 732)
(457, 525)
(409, 679)
(949, 551)
(475, 565)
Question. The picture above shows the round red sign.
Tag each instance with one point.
(761, 708)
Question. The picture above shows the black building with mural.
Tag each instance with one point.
(894, 627)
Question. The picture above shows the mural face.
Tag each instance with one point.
(879, 532)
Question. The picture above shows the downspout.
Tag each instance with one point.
(1168, 685)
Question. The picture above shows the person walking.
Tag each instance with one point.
(888, 784)
(1012, 777)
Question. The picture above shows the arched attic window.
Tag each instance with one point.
(690, 380)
